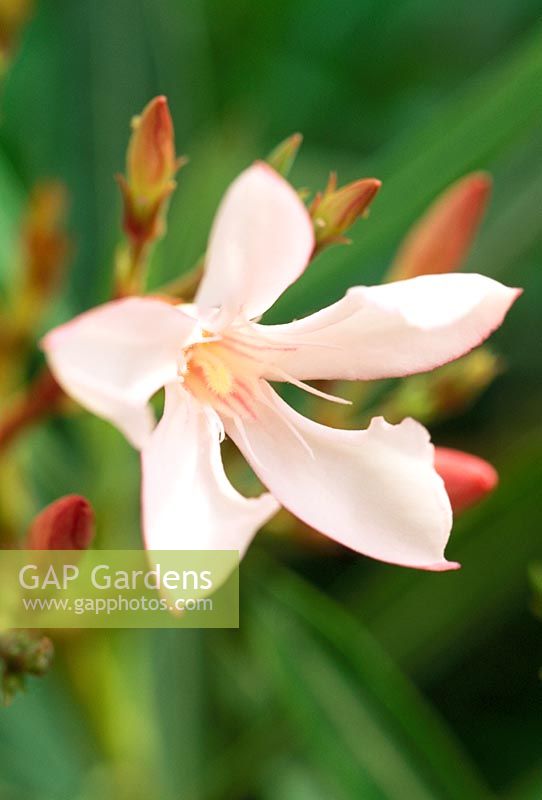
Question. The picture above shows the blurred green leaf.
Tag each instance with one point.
(348, 701)
(44, 749)
(11, 203)
(496, 111)
(290, 780)
(528, 788)
(181, 709)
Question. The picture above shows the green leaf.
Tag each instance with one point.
(11, 202)
(44, 749)
(498, 111)
(365, 726)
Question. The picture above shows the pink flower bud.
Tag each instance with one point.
(336, 210)
(66, 524)
(439, 242)
(151, 162)
(467, 478)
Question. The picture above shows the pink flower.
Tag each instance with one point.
(375, 491)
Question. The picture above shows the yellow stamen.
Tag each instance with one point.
(204, 361)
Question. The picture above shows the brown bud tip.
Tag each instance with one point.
(151, 162)
(356, 199)
(336, 210)
(440, 241)
(467, 478)
(66, 524)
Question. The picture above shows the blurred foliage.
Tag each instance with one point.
(348, 679)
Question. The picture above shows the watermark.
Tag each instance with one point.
(119, 589)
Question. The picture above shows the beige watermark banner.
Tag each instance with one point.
(119, 589)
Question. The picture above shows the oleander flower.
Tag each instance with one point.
(375, 491)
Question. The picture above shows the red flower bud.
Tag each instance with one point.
(439, 242)
(151, 165)
(66, 524)
(467, 478)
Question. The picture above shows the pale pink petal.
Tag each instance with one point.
(467, 478)
(188, 502)
(374, 491)
(389, 331)
(113, 358)
(260, 243)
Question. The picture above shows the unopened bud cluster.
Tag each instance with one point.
(451, 389)
(22, 654)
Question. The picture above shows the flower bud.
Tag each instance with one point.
(336, 210)
(444, 392)
(440, 241)
(22, 654)
(66, 524)
(151, 165)
(45, 242)
(467, 478)
(283, 156)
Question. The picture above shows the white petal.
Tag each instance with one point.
(375, 491)
(113, 358)
(391, 330)
(260, 243)
(188, 502)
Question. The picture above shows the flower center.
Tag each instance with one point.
(225, 371)
(206, 362)
(223, 374)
